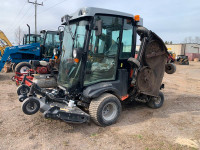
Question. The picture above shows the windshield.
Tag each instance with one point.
(52, 41)
(69, 70)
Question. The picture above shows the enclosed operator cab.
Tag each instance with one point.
(104, 40)
(51, 41)
(98, 68)
(32, 38)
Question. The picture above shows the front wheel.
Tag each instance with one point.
(23, 89)
(156, 102)
(105, 110)
(30, 106)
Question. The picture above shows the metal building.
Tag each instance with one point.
(191, 50)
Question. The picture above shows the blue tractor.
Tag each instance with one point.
(17, 57)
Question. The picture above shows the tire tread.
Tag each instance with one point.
(93, 108)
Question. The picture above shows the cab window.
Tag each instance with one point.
(103, 51)
(126, 43)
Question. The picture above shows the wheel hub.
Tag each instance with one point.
(24, 69)
(24, 91)
(31, 106)
(109, 111)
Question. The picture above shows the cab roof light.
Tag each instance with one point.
(137, 17)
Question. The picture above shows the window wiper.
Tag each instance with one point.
(74, 36)
(67, 18)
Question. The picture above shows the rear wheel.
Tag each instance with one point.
(156, 102)
(170, 68)
(7, 67)
(13, 67)
(22, 67)
(30, 106)
(105, 110)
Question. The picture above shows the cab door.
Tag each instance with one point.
(102, 59)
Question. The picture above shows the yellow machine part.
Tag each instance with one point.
(174, 55)
(4, 42)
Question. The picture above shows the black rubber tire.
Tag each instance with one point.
(187, 63)
(170, 68)
(13, 67)
(30, 101)
(23, 89)
(97, 105)
(20, 65)
(13, 78)
(152, 103)
(22, 98)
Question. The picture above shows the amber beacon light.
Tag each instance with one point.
(137, 17)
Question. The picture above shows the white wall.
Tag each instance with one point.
(178, 49)
(175, 48)
(192, 48)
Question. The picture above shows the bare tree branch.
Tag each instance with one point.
(19, 35)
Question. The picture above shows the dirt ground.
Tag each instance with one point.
(174, 126)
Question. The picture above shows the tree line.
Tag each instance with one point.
(191, 39)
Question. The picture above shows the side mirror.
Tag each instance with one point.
(61, 35)
(77, 54)
(98, 27)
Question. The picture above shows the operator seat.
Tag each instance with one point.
(105, 67)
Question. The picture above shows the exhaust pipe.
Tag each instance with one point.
(29, 30)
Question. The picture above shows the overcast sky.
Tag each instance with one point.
(172, 20)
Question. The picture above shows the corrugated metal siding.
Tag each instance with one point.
(192, 48)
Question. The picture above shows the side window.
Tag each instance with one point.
(103, 51)
(56, 41)
(80, 36)
(49, 39)
(52, 41)
(126, 40)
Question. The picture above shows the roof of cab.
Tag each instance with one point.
(91, 11)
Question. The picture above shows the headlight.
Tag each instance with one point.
(74, 53)
(55, 51)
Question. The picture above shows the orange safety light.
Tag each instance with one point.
(137, 17)
(124, 97)
(76, 60)
(56, 57)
